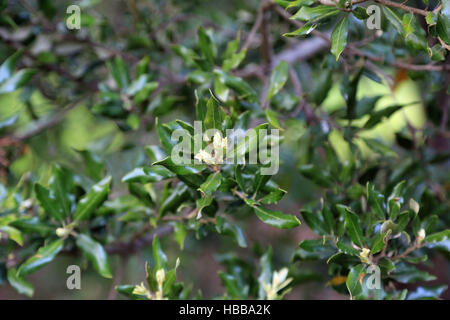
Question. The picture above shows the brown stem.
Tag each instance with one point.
(43, 124)
(403, 7)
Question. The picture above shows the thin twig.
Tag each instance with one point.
(43, 124)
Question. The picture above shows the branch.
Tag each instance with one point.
(137, 244)
(388, 3)
(256, 25)
(45, 123)
(303, 104)
(351, 49)
(403, 7)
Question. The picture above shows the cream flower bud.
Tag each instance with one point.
(205, 157)
(219, 142)
(420, 235)
(62, 232)
(160, 276)
(279, 277)
(141, 290)
(364, 255)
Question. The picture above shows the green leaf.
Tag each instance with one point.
(276, 218)
(408, 24)
(303, 31)
(376, 201)
(33, 225)
(393, 19)
(203, 203)
(154, 173)
(95, 253)
(314, 222)
(159, 257)
(443, 22)
(379, 146)
(155, 153)
(234, 61)
(20, 284)
(176, 197)
(272, 117)
(8, 122)
(244, 90)
(119, 72)
(49, 202)
(431, 18)
(347, 249)
(265, 275)
(127, 291)
(349, 87)
(322, 86)
(180, 234)
(18, 80)
(278, 78)
(61, 184)
(318, 176)
(43, 257)
(365, 106)
(313, 250)
(187, 54)
(165, 135)
(233, 230)
(360, 13)
(353, 280)
(13, 234)
(315, 13)
(211, 184)
(180, 169)
(231, 286)
(213, 117)
(92, 200)
(329, 219)
(423, 293)
(273, 196)
(94, 165)
(339, 37)
(295, 3)
(353, 227)
(410, 274)
(142, 193)
(395, 200)
(378, 242)
(438, 237)
(377, 116)
(260, 181)
(437, 52)
(8, 66)
(206, 45)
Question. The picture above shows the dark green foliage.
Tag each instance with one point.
(88, 146)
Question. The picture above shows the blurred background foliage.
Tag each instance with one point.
(74, 64)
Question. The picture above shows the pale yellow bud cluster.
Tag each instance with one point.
(420, 235)
(141, 290)
(364, 255)
(214, 157)
(279, 282)
(158, 295)
(62, 232)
